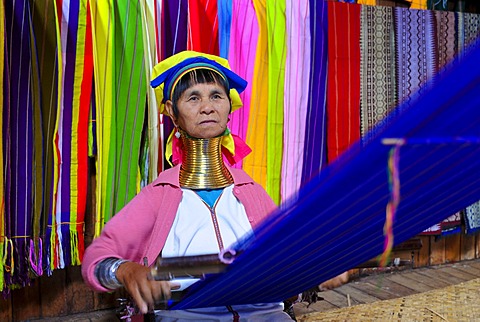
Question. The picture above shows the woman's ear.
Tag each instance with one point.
(169, 108)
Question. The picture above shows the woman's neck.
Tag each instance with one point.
(202, 164)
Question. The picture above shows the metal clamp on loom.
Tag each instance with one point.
(198, 266)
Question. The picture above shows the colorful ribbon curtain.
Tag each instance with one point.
(321, 76)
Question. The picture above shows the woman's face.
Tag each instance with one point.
(202, 110)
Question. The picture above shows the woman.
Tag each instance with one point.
(200, 206)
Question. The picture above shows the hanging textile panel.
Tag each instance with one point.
(415, 51)
(377, 71)
(121, 86)
(315, 155)
(343, 90)
(19, 117)
(173, 39)
(446, 36)
(3, 238)
(255, 164)
(203, 26)
(243, 46)
(44, 26)
(297, 70)
(277, 53)
(71, 133)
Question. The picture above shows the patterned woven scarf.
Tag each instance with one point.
(377, 81)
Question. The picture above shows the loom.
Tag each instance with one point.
(337, 220)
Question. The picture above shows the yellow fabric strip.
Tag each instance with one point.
(149, 45)
(102, 38)
(367, 2)
(277, 53)
(419, 4)
(255, 164)
(74, 172)
(56, 162)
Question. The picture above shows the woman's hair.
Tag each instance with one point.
(196, 76)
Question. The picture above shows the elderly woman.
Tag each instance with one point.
(200, 206)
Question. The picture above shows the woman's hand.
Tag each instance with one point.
(144, 290)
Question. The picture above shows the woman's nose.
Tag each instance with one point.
(207, 107)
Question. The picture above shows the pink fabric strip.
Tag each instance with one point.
(296, 94)
(243, 45)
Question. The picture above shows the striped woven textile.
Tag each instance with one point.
(71, 133)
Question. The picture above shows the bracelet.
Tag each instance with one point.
(106, 272)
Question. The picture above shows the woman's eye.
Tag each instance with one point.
(192, 98)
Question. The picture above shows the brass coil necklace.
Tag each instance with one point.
(202, 164)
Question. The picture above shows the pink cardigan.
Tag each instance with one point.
(140, 229)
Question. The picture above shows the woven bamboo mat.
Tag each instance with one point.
(459, 302)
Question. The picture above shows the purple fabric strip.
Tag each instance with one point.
(19, 136)
(67, 109)
(314, 149)
(174, 40)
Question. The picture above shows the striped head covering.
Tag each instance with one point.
(168, 73)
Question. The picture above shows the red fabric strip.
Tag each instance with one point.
(203, 26)
(343, 78)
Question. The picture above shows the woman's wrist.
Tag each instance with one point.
(106, 272)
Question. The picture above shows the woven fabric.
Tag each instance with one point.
(343, 96)
(453, 303)
(18, 131)
(224, 26)
(377, 70)
(415, 51)
(472, 218)
(243, 45)
(277, 53)
(203, 26)
(446, 36)
(297, 66)
(255, 164)
(315, 152)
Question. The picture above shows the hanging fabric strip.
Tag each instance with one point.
(243, 45)
(3, 243)
(415, 49)
(315, 153)
(19, 142)
(418, 4)
(343, 98)
(203, 26)
(255, 164)
(297, 70)
(130, 91)
(153, 126)
(377, 67)
(224, 26)
(44, 23)
(102, 41)
(277, 53)
(446, 37)
(174, 40)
